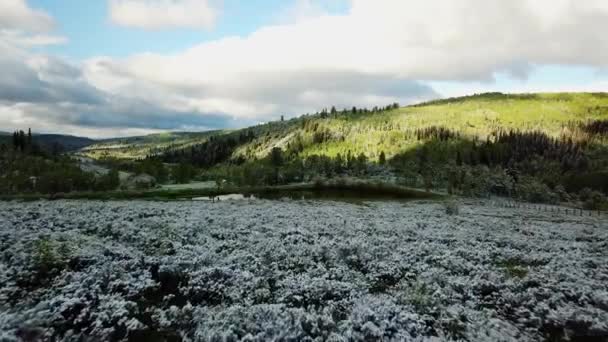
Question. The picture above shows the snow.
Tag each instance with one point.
(299, 270)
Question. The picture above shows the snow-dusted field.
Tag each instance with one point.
(311, 271)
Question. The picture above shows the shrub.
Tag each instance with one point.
(560, 191)
(44, 254)
(531, 190)
(451, 207)
(420, 296)
(47, 256)
(592, 199)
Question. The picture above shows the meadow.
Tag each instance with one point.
(299, 270)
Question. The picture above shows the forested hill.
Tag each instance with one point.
(372, 131)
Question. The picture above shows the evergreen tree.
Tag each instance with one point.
(349, 160)
(113, 179)
(29, 138)
(276, 160)
(361, 163)
(382, 158)
(22, 141)
(15, 140)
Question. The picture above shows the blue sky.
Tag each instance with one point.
(121, 67)
(91, 33)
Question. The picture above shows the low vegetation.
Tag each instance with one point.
(300, 271)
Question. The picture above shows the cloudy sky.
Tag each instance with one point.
(104, 68)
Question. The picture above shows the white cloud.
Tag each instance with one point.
(374, 52)
(161, 14)
(301, 10)
(49, 94)
(19, 38)
(24, 26)
(16, 14)
(379, 52)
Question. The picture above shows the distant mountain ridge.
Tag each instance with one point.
(68, 142)
(46, 141)
(140, 146)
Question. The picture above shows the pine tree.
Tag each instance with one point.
(15, 140)
(382, 158)
(276, 159)
(22, 140)
(29, 138)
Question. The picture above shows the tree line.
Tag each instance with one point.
(26, 166)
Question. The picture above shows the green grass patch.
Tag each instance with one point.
(514, 268)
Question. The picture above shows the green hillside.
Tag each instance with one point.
(392, 131)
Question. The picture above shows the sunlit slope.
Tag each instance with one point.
(393, 131)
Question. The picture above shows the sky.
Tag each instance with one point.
(108, 68)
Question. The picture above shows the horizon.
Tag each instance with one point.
(120, 68)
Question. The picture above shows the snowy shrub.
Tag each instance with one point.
(297, 271)
(564, 196)
(353, 256)
(212, 287)
(451, 207)
(306, 292)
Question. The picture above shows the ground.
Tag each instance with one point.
(299, 270)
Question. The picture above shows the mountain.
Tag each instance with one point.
(68, 142)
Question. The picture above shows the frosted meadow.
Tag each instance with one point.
(299, 270)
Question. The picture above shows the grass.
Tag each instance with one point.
(513, 268)
(193, 185)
